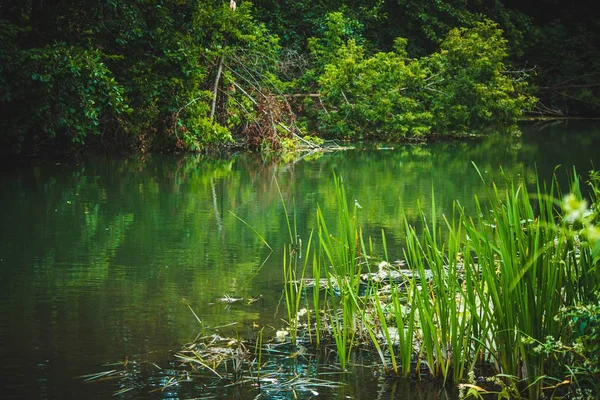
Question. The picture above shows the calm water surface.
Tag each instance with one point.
(97, 257)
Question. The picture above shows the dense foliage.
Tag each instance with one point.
(137, 73)
(191, 75)
(462, 86)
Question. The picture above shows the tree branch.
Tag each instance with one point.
(213, 106)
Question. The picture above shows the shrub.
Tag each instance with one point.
(462, 87)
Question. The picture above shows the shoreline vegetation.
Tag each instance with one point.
(200, 76)
(501, 303)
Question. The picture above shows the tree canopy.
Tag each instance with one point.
(172, 75)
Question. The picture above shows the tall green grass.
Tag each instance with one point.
(294, 270)
(445, 319)
(483, 290)
(340, 257)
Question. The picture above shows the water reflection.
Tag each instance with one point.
(97, 257)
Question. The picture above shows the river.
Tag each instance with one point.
(97, 256)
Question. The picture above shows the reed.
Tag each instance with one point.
(293, 276)
(316, 273)
(525, 266)
(400, 331)
(479, 291)
(405, 326)
(294, 286)
(342, 257)
(444, 318)
(258, 354)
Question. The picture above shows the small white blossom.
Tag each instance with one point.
(592, 233)
(280, 335)
(574, 209)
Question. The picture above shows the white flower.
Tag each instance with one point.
(592, 233)
(281, 334)
(574, 209)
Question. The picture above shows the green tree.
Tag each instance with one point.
(138, 74)
(461, 87)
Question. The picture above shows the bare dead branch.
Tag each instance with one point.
(213, 106)
(303, 95)
(560, 87)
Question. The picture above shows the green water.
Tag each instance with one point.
(97, 256)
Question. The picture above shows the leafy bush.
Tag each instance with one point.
(156, 76)
(462, 87)
(472, 77)
(75, 89)
(64, 91)
(584, 321)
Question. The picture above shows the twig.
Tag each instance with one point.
(303, 95)
(345, 98)
(244, 92)
(217, 79)
(179, 111)
(575, 78)
(308, 143)
(561, 86)
(520, 71)
(257, 87)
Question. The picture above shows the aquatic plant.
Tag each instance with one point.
(341, 254)
(479, 293)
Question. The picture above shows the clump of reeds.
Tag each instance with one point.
(480, 292)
